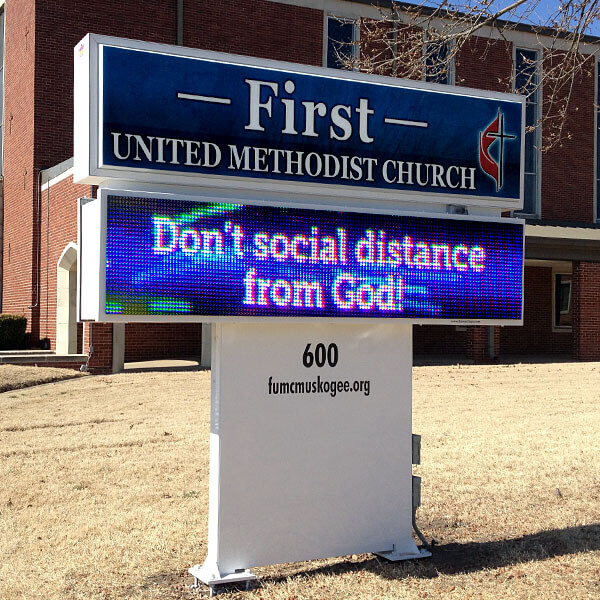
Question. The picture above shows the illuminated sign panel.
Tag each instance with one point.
(169, 257)
(205, 118)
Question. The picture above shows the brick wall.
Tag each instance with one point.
(143, 341)
(39, 135)
(60, 25)
(58, 228)
(252, 27)
(439, 339)
(20, 178)
(40, 36)
(568, 168)
(478, 344)
(536, 334)
(147, 341)
(377, 38)
(586, 311)
(485, 64)
(101, 337)
(256, 28)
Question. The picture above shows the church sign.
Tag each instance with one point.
(202, 118)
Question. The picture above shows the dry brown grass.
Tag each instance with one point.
(105, 479)
(13, 377)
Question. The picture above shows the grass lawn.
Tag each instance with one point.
(13, 377)
(104, 485)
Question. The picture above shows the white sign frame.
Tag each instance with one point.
(92, 281)
(89, 169)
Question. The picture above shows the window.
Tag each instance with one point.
(342, 38)
(439, 66)
(563, 316)
(527, 81)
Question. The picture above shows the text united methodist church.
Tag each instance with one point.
(39, 236)
(193, 153)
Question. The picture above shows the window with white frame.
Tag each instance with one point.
(563, 315)
(439, 65)
(527, 82)
(342, 42)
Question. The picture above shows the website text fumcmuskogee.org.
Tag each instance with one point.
(319, 386)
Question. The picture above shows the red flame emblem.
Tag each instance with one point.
(494, 132)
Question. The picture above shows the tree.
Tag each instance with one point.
(409, 40)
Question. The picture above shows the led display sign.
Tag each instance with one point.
(155, 112)
(169, 257)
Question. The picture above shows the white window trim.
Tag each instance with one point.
(560, 328)
(355, 34)
(538, 134)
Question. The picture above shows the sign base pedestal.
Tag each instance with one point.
(302, 420)
(395, 555)
(210, 575)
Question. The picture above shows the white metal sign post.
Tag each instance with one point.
(310, 445)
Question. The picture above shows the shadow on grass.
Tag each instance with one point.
(447, 559)
(174, 369)
(436, 360)
(450, 559)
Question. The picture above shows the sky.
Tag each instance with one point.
(537, 11)
(543, 10)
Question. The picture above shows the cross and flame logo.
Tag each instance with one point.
(494, 166)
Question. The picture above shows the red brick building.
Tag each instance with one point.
(39, 253)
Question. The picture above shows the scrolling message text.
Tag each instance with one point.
(235, 259)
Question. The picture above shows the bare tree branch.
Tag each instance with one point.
(433, 42)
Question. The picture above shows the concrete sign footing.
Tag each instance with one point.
(394, 555)
(209, 575)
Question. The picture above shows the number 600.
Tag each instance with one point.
(320, 356)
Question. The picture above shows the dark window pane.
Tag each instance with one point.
(526, 79)
(562, 301)
(529, 201)
(530, 152)
(531, 114)
(437, 69)
(526, 70)
(340, 42)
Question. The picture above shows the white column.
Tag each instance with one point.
(118, 354)
(206, 345)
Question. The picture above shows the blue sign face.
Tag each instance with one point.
(175, 114)
(180, 257)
